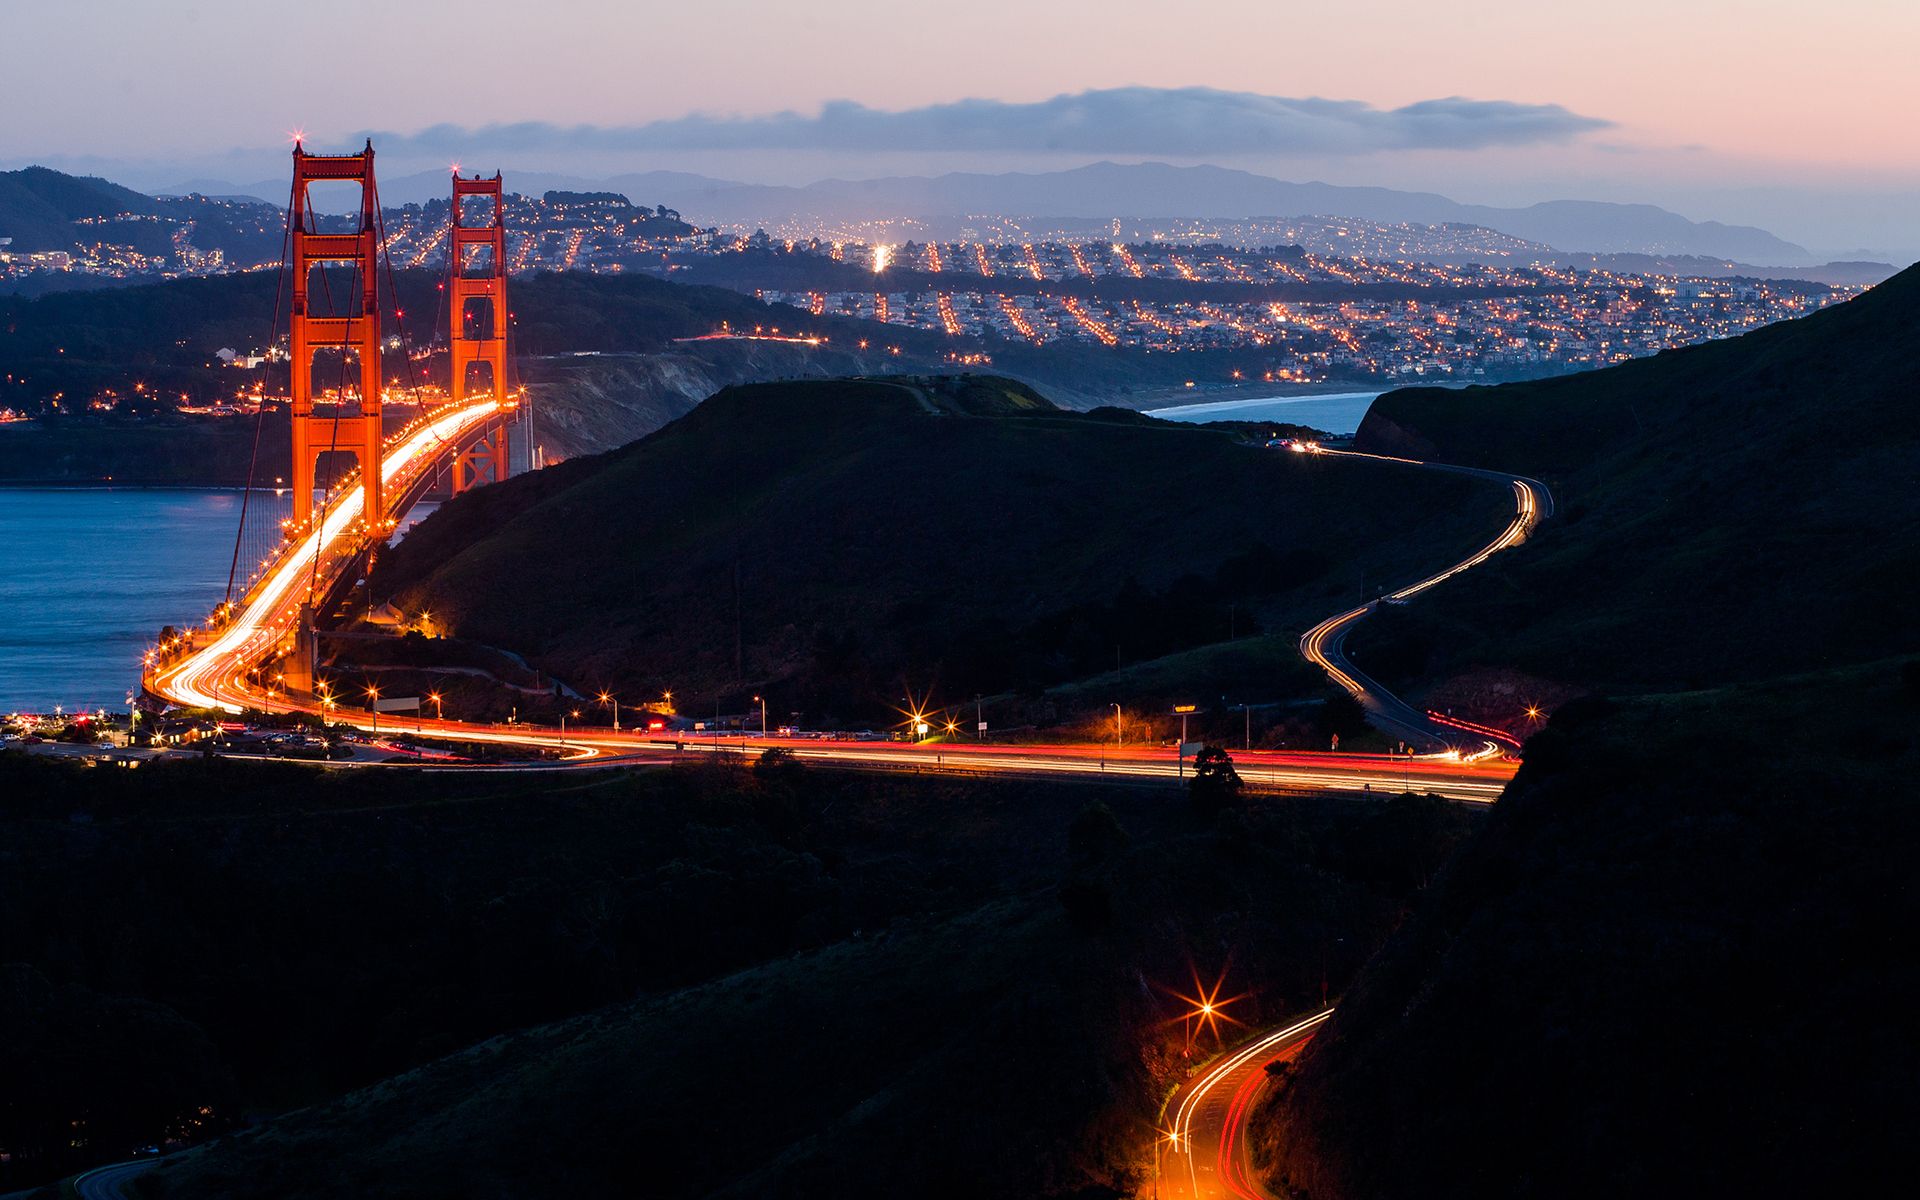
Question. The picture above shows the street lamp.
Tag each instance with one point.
(373, 694)
(762, 702)
(1116, 726)
(439, 711)
(607, 698)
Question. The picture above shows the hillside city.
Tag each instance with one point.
(1321, 298)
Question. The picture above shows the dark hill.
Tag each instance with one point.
(1676, 962)
(1727, 511)
(837, 541)
(38, 206)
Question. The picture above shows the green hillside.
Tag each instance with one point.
(1727, 511)
(834, 543)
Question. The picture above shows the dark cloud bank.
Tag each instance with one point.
(1129, 120)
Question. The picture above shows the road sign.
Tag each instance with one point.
(1187, 749)
(397, 704)
(982, 727)
(1181, 710)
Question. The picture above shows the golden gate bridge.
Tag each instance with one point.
(325, 542)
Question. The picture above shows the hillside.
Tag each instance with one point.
(837, 542)
(816, 981)
(1728, 511)
(153, 346)
(1676, 961)
(38, 206)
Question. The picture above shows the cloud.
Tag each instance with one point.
(1130, 120)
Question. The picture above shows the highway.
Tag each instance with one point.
(1464, 764)
(272, 605)
(1202, 1152)
(1325, 644)
(110, 1183)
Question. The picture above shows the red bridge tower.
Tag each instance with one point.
(358, 330)
(477, 271)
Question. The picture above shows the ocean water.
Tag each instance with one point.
(1334, 412)
(89, 575)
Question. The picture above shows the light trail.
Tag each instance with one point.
(1322, 645)
(1254, 1053)
(275, 600)
(215, 676)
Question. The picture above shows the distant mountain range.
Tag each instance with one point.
(38, 208)
(1131, 191)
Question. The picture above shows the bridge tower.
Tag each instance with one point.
(477, 271)
(358, 331)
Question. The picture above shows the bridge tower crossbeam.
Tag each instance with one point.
(358, 331)
(477, 270)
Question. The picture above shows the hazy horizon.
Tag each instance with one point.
(1744, 114)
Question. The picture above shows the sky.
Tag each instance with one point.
(1794, 116)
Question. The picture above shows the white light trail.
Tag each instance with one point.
(254, 629)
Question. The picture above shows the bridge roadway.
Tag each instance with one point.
(266, 615)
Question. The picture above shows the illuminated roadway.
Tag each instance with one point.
(1202, 1152)
(214, 675)
(268, 612)
(1325, 644)
(110, 1182)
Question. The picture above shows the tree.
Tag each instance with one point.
(1215, 783)
(777, 764)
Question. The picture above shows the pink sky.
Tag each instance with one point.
(1721, 101)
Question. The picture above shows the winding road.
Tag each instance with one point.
(1325, 644)
(215, 675)
(110, 1182)
(1202, 1152)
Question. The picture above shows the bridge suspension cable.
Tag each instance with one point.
(241, 538)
